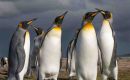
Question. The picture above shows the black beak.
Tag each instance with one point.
(64, 13)
(30, 21)
(101, 11)
(36, 29)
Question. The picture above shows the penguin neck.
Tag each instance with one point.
(88, 26)
(106, 23)
(106, 27)
(21, 31)
(57, 27)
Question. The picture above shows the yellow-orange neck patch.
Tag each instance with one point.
(88, 26)
(57, 28)
(27, 35)
(106, 22)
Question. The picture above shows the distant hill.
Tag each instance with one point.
(124, 55)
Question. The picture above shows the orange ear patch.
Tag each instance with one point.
(88, 26)
(20, 25)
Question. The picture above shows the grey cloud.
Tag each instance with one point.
(7, 8)
(35, 6)
(13, 11)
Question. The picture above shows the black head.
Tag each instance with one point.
(59, 19)
(106, 14)
(89, 16)
(38, 30)
(25, 24)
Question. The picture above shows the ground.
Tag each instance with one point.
(123, 63)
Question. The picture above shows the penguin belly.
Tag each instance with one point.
(50, 55)
(27, 51)
(86, 56)
(107, 46)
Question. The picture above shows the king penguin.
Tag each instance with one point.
(50, 53)
(86, 49)
(108, 45)
(19, 51)
(36, 50)
(71, 57)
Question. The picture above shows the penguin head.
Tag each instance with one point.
(106, 14)
(89, 16)
(58, 20)
(25, 24)
(38, 30)
(56, 30)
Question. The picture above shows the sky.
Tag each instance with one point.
(14, 11)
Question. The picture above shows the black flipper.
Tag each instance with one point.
(100, 60)
(43, 38)
(21, 57)
(68, 56)
(61, 59)
(71, 47)
(75, 39)
(72, 53)
(114, 55)
(69, 52)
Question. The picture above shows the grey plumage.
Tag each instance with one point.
(36, 49)
(71, 59)
(34, 58)
(16, 60)
(19, 49)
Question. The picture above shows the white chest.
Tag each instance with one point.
(50, 53)
(87, 40)
(106, 42)
(27, 43)
(86, 48)
(27, 51)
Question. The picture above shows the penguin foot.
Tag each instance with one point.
(111, 78)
